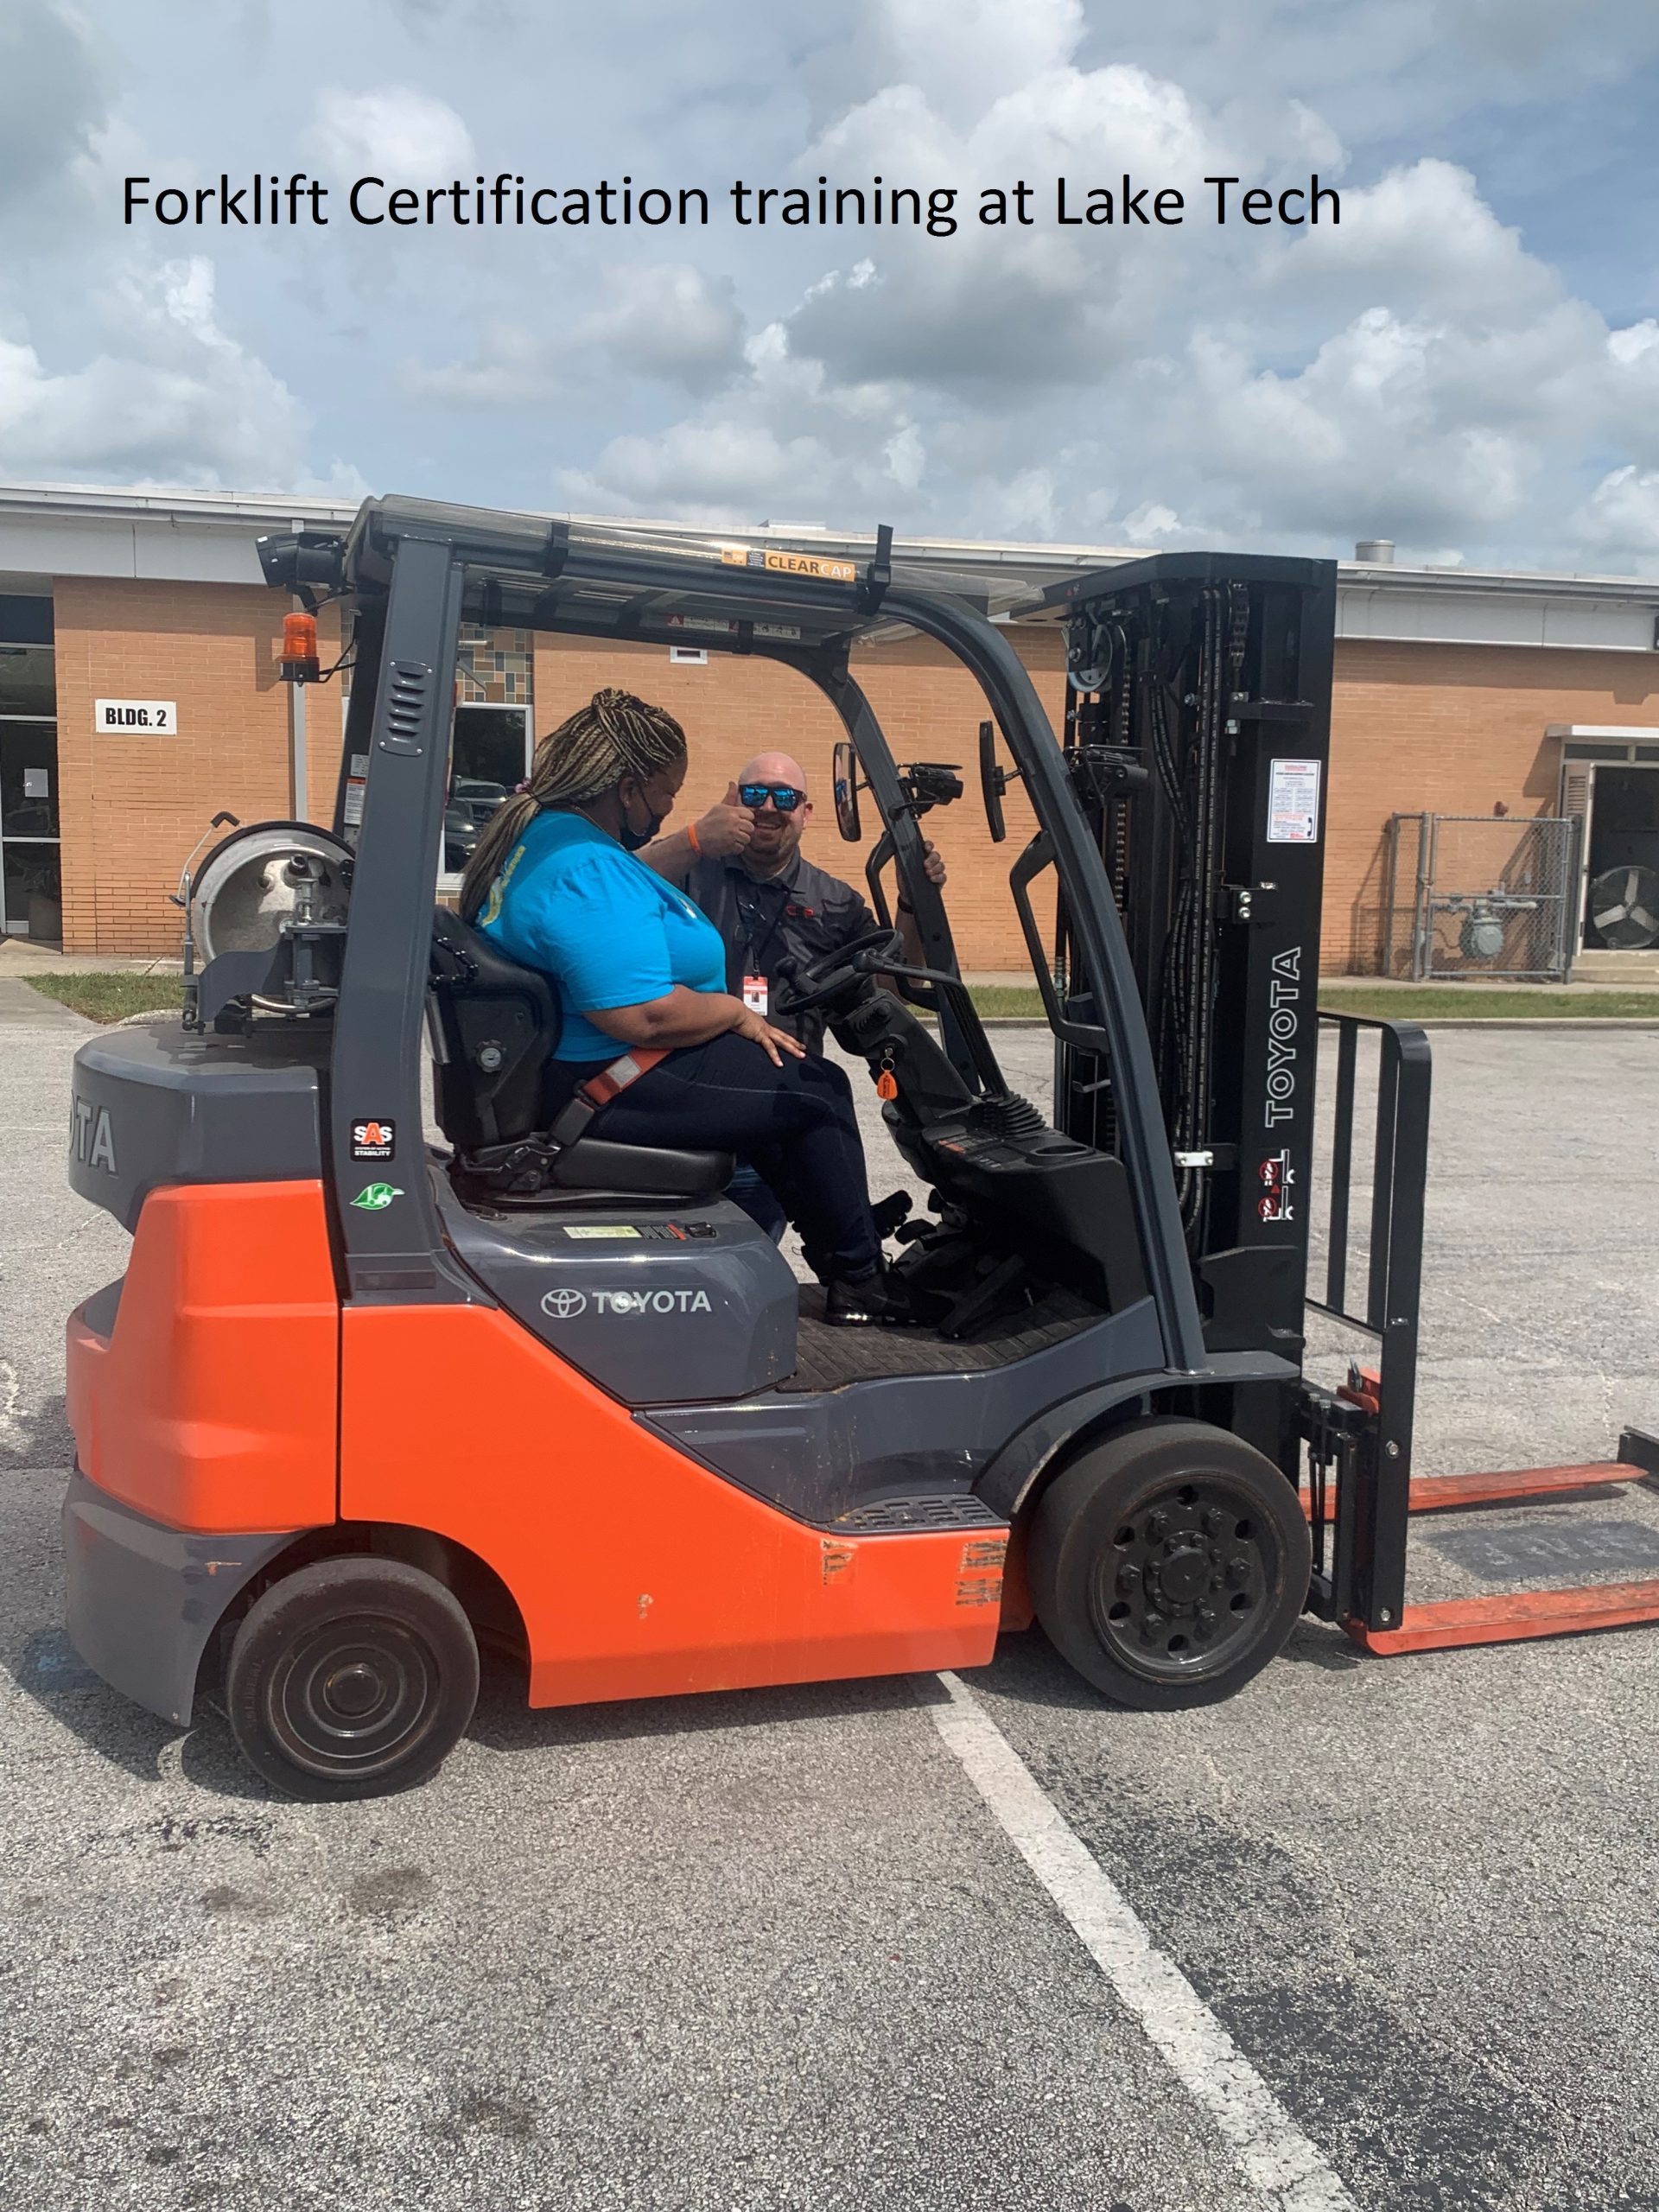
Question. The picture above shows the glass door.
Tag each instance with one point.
(489, 756)
(491, 741)
(31, 883)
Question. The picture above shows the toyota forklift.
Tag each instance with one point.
(363, 1400)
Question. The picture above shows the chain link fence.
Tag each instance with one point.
(1471, 895)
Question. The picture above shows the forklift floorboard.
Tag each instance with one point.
(828, 1358)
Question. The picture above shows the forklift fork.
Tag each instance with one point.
(1360, 1493)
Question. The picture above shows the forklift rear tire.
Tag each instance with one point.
(1168, 1564)
(352, 1678)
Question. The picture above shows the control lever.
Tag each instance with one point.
(874, 962)
(877, 963)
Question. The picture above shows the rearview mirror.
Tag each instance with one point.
(993, 782)
(846, 790)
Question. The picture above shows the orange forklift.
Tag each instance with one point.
(363, 1399)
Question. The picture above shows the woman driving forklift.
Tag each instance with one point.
(553, 883)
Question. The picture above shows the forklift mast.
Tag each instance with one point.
(1197, 716)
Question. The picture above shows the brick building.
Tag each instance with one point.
(139, 694)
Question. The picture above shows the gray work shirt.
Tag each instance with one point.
(798, 914)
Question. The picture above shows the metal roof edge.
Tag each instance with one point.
(263, 510)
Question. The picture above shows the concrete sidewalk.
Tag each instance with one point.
(23, 1007)
(18, 956)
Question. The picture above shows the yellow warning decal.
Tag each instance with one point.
(791, 564)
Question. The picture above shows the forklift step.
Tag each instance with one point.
(1513, 1619)
(890, 1516)
(1444, 1493)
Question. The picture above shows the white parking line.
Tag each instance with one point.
(1285, 2168)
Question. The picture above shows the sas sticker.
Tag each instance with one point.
(375, 1198)
(372, 1140)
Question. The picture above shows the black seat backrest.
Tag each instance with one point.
(496, 1025)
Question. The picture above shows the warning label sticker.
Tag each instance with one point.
(715, 625)
(790, 564)
(1294, 803)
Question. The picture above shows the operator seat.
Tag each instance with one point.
(495, 1024)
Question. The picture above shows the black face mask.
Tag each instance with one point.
(630, 839)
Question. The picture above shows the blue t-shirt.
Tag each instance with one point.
(606, 929)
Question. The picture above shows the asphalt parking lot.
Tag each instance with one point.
(780, 1950)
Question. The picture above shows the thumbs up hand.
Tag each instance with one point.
(726, 827)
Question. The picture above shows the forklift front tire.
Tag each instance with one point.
(1169, 1564)
(351, 1678)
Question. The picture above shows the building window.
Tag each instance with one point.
(31, 882)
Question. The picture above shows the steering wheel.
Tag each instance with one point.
(811, 982)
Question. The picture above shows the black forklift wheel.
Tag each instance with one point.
(1169, 1564)
(351, 1678)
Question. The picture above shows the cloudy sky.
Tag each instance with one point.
(1469, 363)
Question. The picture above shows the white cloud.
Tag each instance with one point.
(670, 322)
(52, 94)
(1013, 306)
(968, 52)
(1362, 434)
(396, 132)
(182, 401)
(1422, 371)
(1621, 516)
(508, 366)
(789, 436)
(1421, 235)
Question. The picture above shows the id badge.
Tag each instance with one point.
(754, 994)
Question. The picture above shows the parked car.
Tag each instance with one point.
(472, 802)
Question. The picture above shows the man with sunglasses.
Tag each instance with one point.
(742, 863)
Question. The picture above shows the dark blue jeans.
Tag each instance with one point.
(796, 1125)
(759, 1200)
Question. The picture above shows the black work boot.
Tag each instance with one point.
(880, 1300)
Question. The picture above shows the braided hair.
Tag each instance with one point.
(613, 736)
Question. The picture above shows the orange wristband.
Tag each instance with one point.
(693, 840)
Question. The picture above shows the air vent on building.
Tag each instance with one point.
(1378, 551)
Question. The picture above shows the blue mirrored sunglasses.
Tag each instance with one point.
(784, 796)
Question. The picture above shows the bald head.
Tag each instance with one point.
(772, 768)
(777, 835)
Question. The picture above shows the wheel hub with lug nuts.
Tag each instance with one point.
(1180, 1588)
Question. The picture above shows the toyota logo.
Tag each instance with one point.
(565, 1304)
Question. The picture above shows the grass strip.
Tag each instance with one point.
(1451, 1004)
(106, 996)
